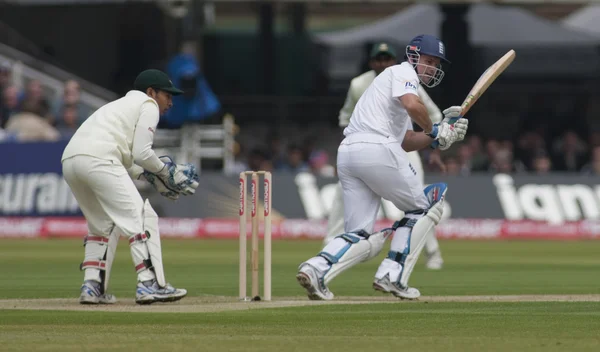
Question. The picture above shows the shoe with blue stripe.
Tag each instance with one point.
(149, 292)
(315, 287)
(92, 294)
(386, 286)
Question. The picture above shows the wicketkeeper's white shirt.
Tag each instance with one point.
(121, 131)
(379, 111)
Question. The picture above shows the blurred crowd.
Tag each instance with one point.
(29, 114)
(276, 155)
(530, 153)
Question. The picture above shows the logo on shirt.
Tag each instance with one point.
(412, 169)
(410, 85)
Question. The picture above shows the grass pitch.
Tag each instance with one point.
(39, 284)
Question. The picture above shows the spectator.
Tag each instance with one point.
(36, 103)
(594, 139)
(452, 165)
(503, 162)
(492, 146)
(257, 159)
(10, 104)
(295, 160)
(30, 127)
(72, 98)
(528, 145)
(569, 153)
(5, 76)
(465, 159)
(276, 151)
(198, 104)
(593, 167)
(68, 122)
(239, 165)
(479, 161)
(541, 163)
(319, 164)
(308, 147)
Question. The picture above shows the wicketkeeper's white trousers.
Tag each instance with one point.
(106, 195)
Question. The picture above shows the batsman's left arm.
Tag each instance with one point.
(348, 108)
(435, 114)
(415, 141)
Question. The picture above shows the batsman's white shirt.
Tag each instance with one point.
(371, 162)
(99, 159)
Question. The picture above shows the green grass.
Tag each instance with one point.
(49, 269)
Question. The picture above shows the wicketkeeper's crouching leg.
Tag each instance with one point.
(146, 253)
(349, 249)
(99, 255)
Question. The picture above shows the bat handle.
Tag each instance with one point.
(435, 143)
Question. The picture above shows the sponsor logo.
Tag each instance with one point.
(40, 193)
(412, 169)
(319, 202)
(441, 48)
(544, 202)
(242, 196)
(267, 186)
(410, 85)
(253, 191)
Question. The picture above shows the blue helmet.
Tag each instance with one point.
(428, 45)
(425, 44)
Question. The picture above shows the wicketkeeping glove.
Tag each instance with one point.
(159, 185)
(181, 178)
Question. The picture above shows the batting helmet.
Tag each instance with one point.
(425, 44)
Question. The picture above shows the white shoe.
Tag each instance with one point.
(148, 292)
(308, 278)
(107, 298)
(434, 261)
(384, 285)
(91, 294)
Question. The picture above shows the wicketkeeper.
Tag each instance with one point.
(110, 149)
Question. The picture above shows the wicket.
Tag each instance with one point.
(267, 184)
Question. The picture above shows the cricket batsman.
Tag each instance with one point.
(372, 163)
(382, 57)
(110, 149)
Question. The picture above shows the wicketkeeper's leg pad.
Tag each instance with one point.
(146, 250)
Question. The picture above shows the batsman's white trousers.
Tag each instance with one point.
(335, 222)
(371, 167)
(106, 195)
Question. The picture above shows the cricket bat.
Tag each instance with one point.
(483, 83)
(485, 80)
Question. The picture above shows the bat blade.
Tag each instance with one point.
(486, 79)
(483, 83)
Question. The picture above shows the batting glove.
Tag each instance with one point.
(443, 134)
(461, 126)
(452, 114)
